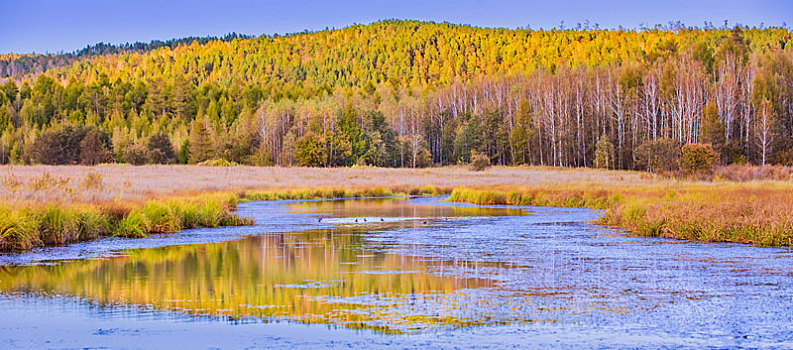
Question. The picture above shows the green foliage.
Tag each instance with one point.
(604, 153)
(479, 161)
(217, 163)
(91, 224)
(161, 217)
(712, 129)
(523, 134)
(699, 157)
(558, 197)
(57, 226)
(136, 154)
(17, 230)
(658, 155)
(160, 149)
(57, 146)
(135, 225)
(184, 152)
(22, 228)
(200, 142)
(310, 150)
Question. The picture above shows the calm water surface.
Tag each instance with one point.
(400, 273)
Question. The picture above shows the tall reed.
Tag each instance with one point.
(26, 226)
(755, 213)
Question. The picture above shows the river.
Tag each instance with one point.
(398, 273)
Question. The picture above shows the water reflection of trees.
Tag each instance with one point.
(398, 208)
(321, 276)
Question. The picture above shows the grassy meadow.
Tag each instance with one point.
(56, 205)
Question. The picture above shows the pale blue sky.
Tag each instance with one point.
(65, 25)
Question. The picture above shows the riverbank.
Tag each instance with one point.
(25, 226)
(755, 212)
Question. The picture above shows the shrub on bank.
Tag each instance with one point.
(658, 155)
(479, 161)
(217, 163)
(697, 157)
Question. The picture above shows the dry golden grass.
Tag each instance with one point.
(109, 183)
(757, 212)
(34, 200)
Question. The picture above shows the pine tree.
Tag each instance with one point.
(712, 129)
(161, 149)
(604, 153)
(200, 142)
(310, 150)
(95, 148)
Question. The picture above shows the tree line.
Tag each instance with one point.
(19, 65)
(414, 94)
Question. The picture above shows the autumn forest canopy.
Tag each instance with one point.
(411, 94)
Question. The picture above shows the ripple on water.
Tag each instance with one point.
(449, 275)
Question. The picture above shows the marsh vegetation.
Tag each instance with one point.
(45, 205)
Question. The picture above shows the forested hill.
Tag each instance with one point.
(398, 52)
(19, 65)
(406, 93)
